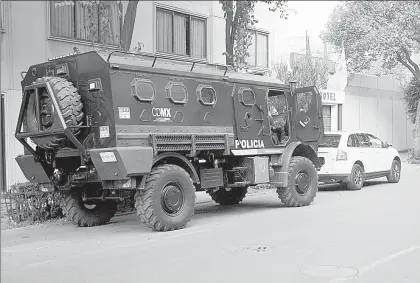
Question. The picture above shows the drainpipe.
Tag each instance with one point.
(2, 133)
(2, 146)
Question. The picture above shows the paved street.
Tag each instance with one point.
(372, 235)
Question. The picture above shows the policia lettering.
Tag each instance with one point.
(249, 143)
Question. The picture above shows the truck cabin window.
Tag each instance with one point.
(277, 117)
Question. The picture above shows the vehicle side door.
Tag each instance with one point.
(367, 154)
(308, 122)
(252, 126)
(383, 157)
(353, 149)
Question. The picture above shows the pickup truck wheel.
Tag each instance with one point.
(86, 214)
(356, 178)
(223, 197)
(302, 183)
(168, 199)
(395, 173)
(70, 105)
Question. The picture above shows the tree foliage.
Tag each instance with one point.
(376, 30)
(411, 97)
(103, 17)
(239, 17)
(386, 31)
(306, 72)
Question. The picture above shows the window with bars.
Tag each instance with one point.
(100, 22)
(258, 50)
(326, 114)
(180, 34)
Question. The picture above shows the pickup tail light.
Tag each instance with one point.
(341, 155)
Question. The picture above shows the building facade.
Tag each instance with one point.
(193, 30)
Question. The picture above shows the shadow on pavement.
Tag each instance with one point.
(342, 187)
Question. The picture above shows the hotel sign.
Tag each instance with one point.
(332, 96)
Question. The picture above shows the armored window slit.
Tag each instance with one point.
(177, 93)
(143, 90)
(206, 95)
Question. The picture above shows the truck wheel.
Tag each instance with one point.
(168, 199)
(395, 173)
(223, 197)
(302, 183)
(70, 104)
(356, 178)
(85, 214)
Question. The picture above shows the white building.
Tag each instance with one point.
(176, 29)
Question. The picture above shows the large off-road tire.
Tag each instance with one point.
(395, 173)
(82, 214)
(356, 178)
(70, 105)
(302, 183)
(168, 199)
(223, 197)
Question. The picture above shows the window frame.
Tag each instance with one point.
(359, 144)
(133, 86)
(200, 98)
(168, 90)
(3, 16)
(289, 122)
(241, 96)
(257, 31)
(370, 137)
(190, 15)
(354, 139)
(80, 40)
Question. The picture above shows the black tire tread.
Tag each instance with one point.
(144, 199)
(391, 177)
(223, 197)
(350, 184)
(285, 194)
(73, 210)
(71, 106)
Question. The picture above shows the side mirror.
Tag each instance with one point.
(388, 144)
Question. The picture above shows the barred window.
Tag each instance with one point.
(247, 97)
(177, 93)
(206, 95)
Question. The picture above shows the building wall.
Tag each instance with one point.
(374, 104)
(27, 42)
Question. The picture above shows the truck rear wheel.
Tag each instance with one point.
(168, 199)
(223, 197)
(70, 105)
(302, 183)
(87, 214)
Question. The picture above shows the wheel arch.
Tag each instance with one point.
(299, 149)
(358, 162)
(397, 158)
(174, 159)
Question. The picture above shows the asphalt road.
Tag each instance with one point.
(369, 236)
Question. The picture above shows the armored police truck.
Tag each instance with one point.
(97, 126)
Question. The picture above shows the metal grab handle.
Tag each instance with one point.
(151, 55)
